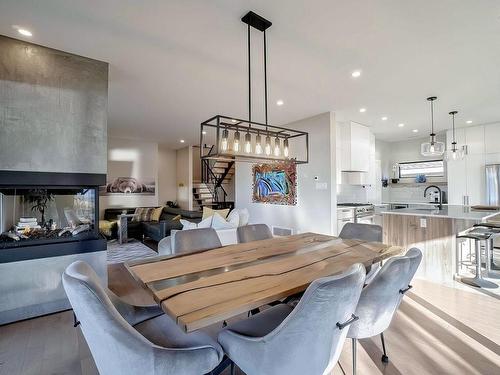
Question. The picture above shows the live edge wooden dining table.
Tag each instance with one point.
(200, 289)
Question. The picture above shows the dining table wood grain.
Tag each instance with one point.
(202, 288)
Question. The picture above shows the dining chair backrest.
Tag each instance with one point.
(193, 240)
(253, 232)
(117, 348)
(380, 299)
(309, 340)
(365, 232)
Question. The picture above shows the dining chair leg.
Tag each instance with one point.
(354, 350)
(385, 358)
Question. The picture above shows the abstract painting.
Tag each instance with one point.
(275, 183)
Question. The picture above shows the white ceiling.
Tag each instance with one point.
(176, 63)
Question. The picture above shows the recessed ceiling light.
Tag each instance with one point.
(280, 102)
(182, 141)
(356, 73)
(401, 125)
(469, 121)
(203, 132)
(24, 32)
(362, 110)
(384, 118)
(415, 130)
(233, 120)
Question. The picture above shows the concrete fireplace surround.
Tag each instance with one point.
(53, 118)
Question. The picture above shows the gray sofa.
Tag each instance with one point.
(155, 230)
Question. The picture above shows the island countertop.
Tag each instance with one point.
(449, 211)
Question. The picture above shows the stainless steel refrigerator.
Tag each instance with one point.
(493, 185)
(493, 199)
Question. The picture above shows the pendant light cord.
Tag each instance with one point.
(265, 75)
(249, 80)
(432, 117)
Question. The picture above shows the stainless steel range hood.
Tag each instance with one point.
(354, 178)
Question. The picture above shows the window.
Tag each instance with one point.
(431, 168)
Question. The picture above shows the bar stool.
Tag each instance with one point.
(478, 235)
(494, 229)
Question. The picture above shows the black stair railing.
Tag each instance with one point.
(212, 181)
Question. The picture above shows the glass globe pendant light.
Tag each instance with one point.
(433, 147)
(454, 153)
(285, 148)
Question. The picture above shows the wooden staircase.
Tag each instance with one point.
(211, 190)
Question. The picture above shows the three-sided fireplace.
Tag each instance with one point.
(48, 214)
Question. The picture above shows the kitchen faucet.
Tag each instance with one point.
(440, 194)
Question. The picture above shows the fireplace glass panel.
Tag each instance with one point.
(31, 216)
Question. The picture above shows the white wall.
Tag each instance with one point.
(185, 178)
(316, 208)
(142, 160)
(167, 175)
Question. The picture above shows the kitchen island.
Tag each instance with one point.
(434, 231)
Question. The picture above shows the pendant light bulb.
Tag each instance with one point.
(277, 147)
(248, 143)
(285, 147)
(236, 141)
(258, 144)
(268, 145)
(224, 141)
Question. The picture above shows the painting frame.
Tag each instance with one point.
(275, 183)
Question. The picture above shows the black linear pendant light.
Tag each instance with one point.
(250, 139)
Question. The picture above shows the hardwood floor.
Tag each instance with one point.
(437, 330)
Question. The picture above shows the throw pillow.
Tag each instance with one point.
(186, 225)
(155, 216)
(244, 216)
(106, 227)
(143, 214)
(208, 212)
(218, 222)
(234, 218)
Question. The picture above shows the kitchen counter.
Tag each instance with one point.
(448, 211)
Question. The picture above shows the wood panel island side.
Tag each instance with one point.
(434, 232)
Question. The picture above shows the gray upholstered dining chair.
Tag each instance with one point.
(193, 240)
(365, 232)
(304, 340)
(253, 232)
(125, 339)
(380, 299)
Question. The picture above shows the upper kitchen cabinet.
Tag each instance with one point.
(355, 141)
(492, 138)
(474, 139)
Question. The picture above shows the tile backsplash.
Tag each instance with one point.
(410, 193)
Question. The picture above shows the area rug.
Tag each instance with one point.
(132, 250)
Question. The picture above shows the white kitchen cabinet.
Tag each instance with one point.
(474, 139)
(492, 138)
(355, 147)
(457, 182)
(476, 179)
